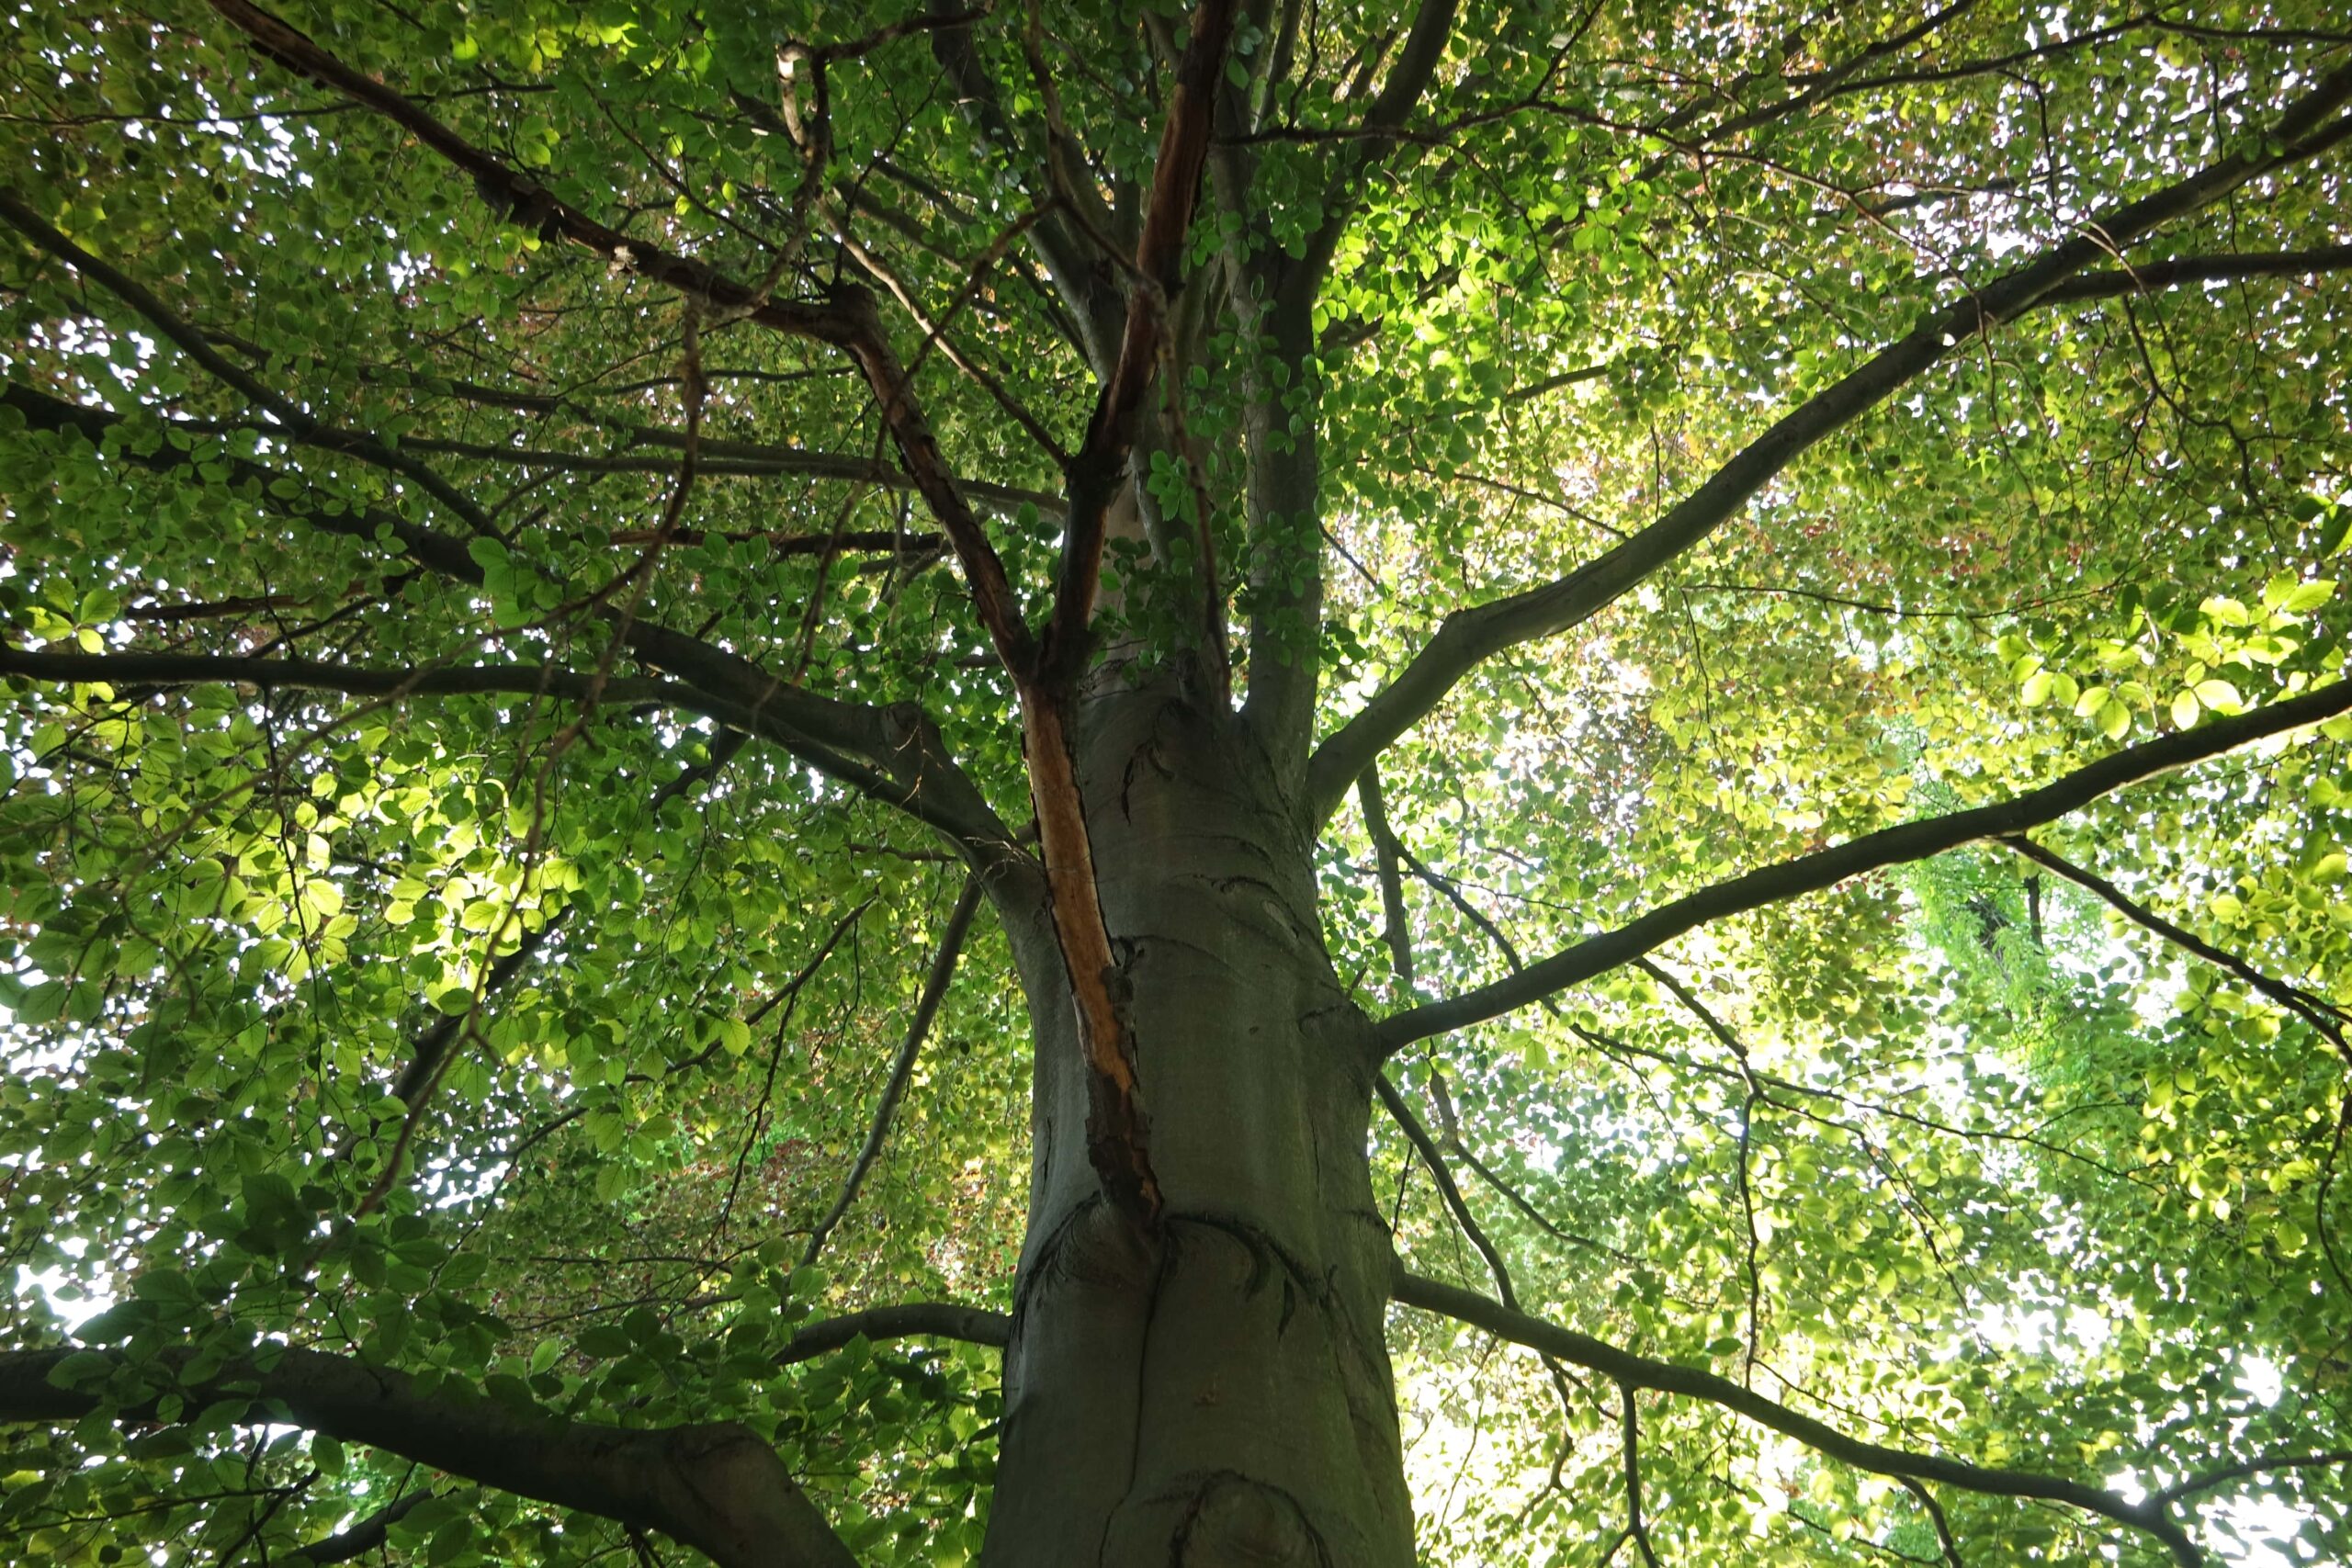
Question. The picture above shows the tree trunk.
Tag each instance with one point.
(1219, 1392)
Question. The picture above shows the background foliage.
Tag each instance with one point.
(1959, 1158)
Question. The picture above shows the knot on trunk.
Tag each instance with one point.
(1234, 1522)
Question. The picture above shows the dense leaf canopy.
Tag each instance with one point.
(505, 714)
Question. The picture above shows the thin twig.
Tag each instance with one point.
(934, 991)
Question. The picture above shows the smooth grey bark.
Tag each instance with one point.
(1217, 1391)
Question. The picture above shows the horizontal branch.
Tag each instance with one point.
(121, 669)
(2245, 1469)
(909, 548)
(742, 460)
(1468, 638)
(1635, 1371)
(1872, 852)
(906, 1320)
(717, 1487)
(892, 754)
(2154, 276)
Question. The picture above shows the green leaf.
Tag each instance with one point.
(80, 1369)
(451, 1543)
(2219, 695)
(2308, 596)
(604, 1342)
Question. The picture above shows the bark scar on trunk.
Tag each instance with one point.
(1117, 1133)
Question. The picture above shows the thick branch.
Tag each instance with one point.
(792, 718)
(717, 1488)
(1469, 636)
(935, 991)
(998, 606)
(905, 1320)
(1872, 852)
(1066, 246)
(1935, 1512)
(2260, 1464)
(305, 674)
(1274, 302)
(1634, 1372)
(2172, 273)
(1425, 1146)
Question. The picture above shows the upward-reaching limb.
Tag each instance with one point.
(1069, 245)
(1470, 637)
(1407, 80)
(1100, 469)
(1284, 501)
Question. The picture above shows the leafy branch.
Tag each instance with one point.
(1872, 851)
(847, 320)
(891, 754)
(1633, 1372)
(1468, 638)
(716, 1487)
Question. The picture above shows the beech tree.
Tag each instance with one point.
(1279, 780)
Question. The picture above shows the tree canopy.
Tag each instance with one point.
(675, 672)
